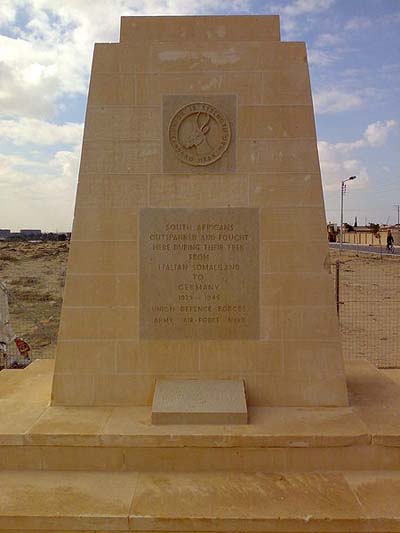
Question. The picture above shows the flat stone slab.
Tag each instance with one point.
(199, 501)
(190, 401)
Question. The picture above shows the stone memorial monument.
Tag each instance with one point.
(199, 246)
(198, 298)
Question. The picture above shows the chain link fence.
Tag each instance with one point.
(368, 302)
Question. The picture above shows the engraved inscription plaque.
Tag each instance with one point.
(199, 273)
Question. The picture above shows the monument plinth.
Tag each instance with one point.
(199, 247)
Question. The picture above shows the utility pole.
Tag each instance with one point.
(342, 190)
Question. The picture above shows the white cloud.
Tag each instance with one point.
(328, 40)
(35, 75)
(288, 26)
(336, 100)
(377, 133)
(335, 167)
(37, 192)
(290, 10)
(337, 163)
(8, 11)
(321, 58)
(35, 131)
(301, 7)
(358, 23)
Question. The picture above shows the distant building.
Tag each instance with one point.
(366, 235)
(33, 235)
(30, 232)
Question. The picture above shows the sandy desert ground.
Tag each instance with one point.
(370, 307)
(34, 275)
(370, 291)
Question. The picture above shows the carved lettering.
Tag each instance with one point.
(199, 134)
(199, 273)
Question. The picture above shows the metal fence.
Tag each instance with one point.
(368, 302)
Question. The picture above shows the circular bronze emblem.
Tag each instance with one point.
(199, 134)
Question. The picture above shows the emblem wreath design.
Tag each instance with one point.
(199, 134)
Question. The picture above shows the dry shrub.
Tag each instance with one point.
(8, 257)
(27, 281)
(30, 296)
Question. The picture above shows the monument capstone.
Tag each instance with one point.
(199, 247)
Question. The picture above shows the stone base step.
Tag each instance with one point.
(202, 501)
(36, 436)
(201, 459)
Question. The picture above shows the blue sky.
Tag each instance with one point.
(45, 57)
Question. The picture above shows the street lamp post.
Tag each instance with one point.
(341, 210)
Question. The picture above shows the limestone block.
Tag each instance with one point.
(151, 87)
(112, 89)
(298, 322)
(237, 501)
(123, 123)
(223, 501)
(288, 189)
(226, 56)
(286, 86)
(65, 500)
(157, 356)
(199, 402)
(285, 256)
(199, 28)
(273, 122)
(310, 354)
(112, 190)
(85, 356)
(125, 157)
(99, 323)
(106, 59)
(247, 459)
(235, 357)
(101, 290)
(295, 391)
(97, 257)
(73, 389)
(123, 389)
(294, 155)
(105, 224)
(297, 288)
(290, 223)
(305, 322)
(270, 323)
(77, 458)
(206, 459)
(20, 458)
(118, 59)
(377, 491)
(69, 426)
(177, 190)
